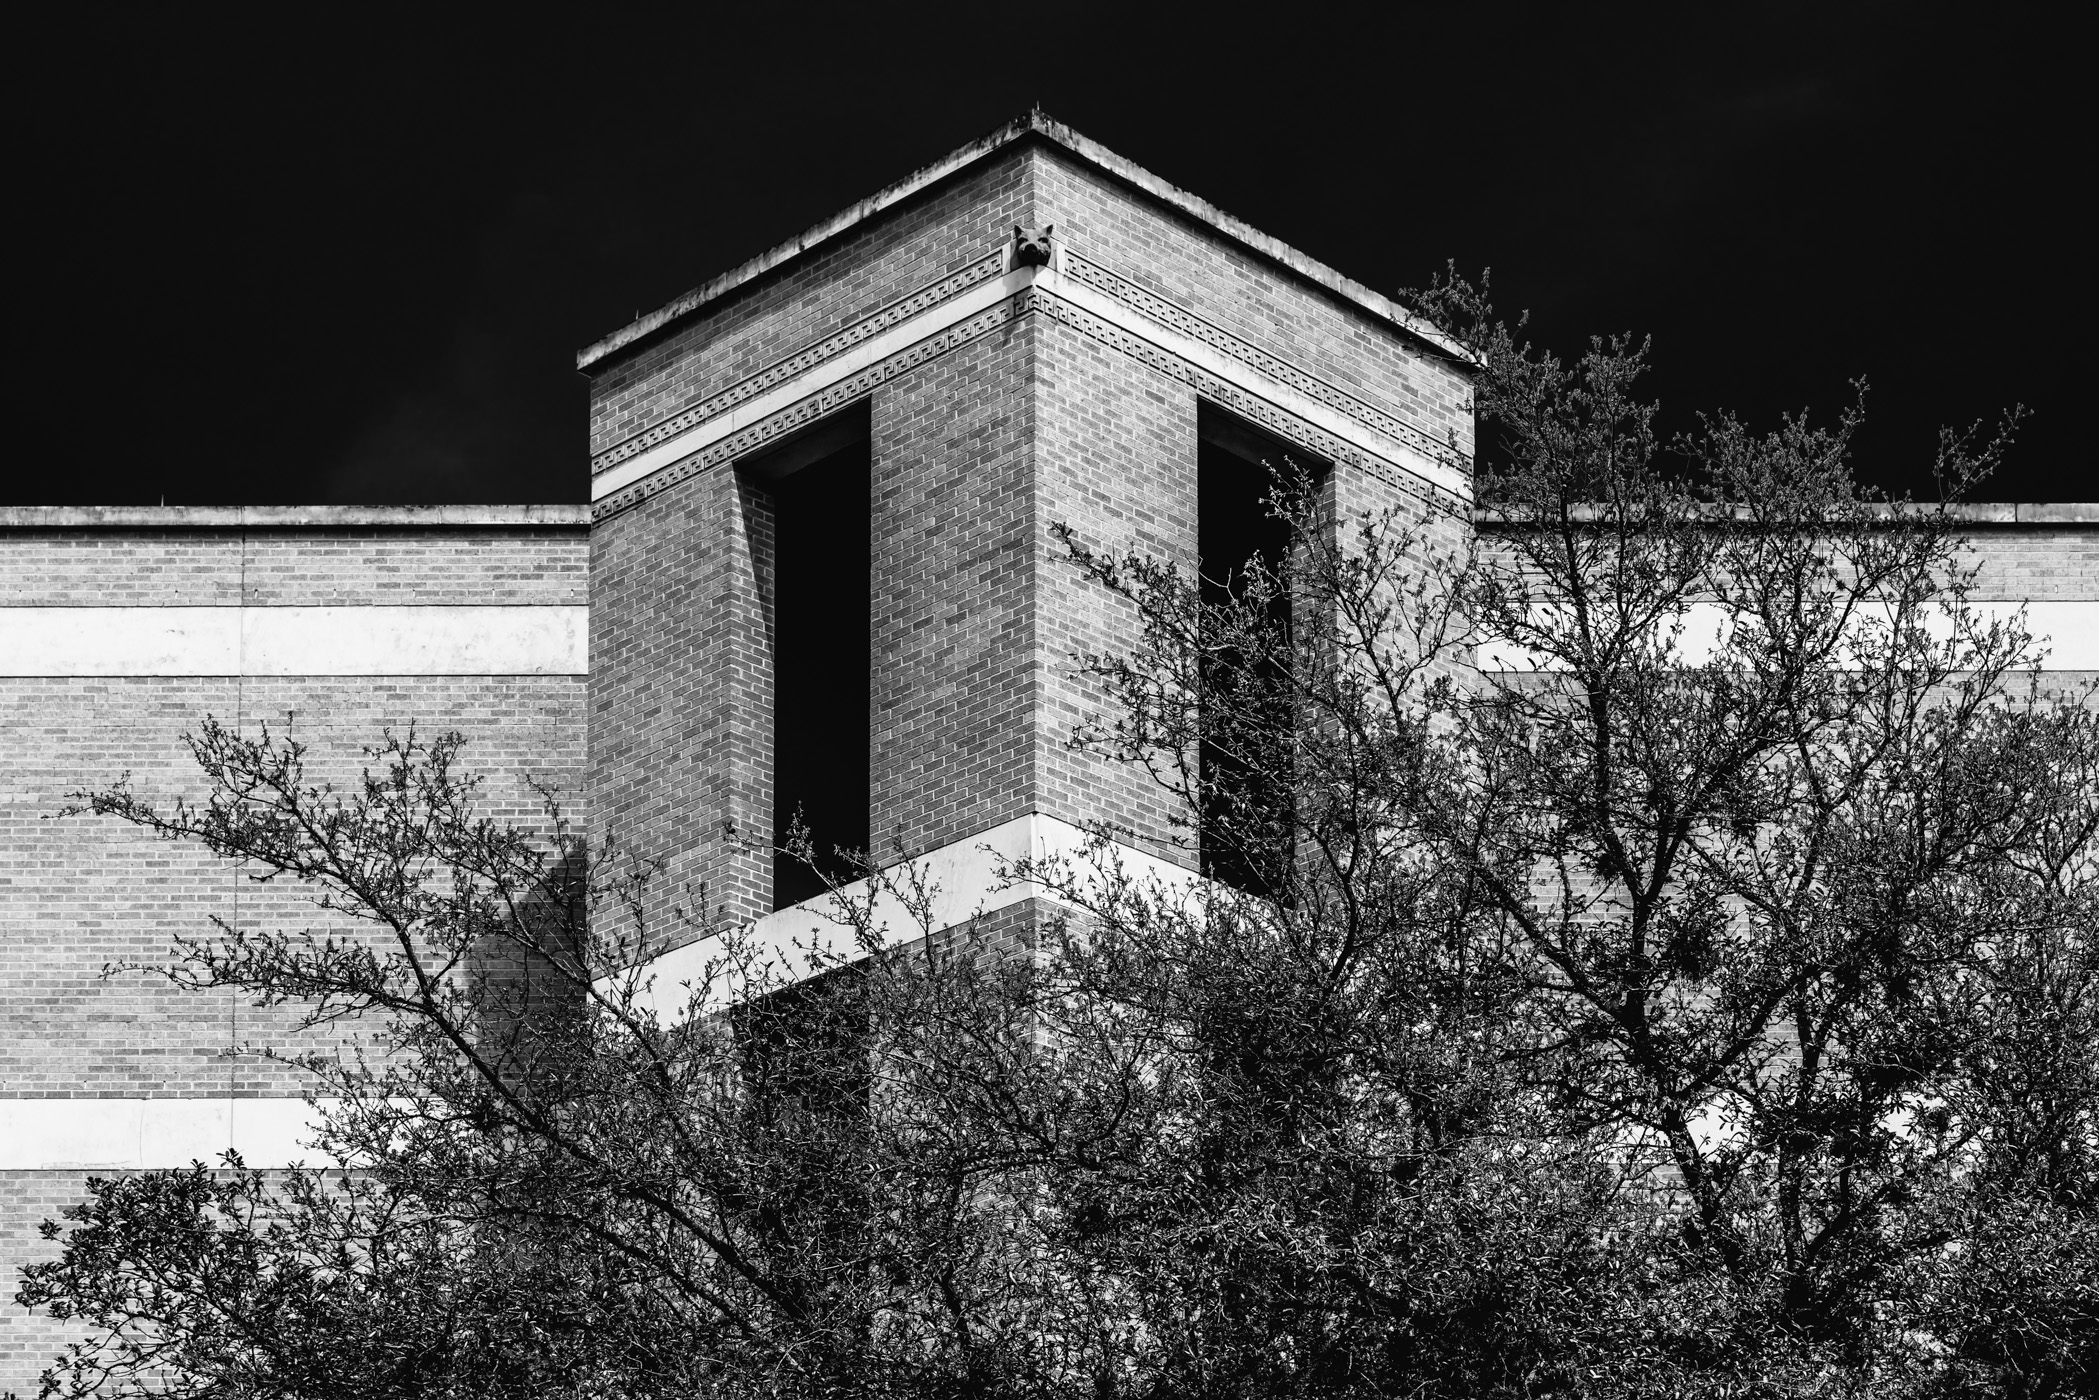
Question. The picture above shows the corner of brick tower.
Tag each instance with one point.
(1025, 334)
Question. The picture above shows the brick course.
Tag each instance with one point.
(221, 568)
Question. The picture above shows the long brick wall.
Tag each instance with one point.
(121, 1072)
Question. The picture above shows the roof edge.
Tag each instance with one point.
(1035, 124)
(535, 517)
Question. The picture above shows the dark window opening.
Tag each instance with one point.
(823, 605)
(1245, 822)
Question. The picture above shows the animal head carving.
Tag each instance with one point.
(1031, 246)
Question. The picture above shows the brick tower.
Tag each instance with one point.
(824, 578)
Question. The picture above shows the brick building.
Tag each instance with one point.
(820, 544)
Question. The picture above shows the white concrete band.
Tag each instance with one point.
(2066, 628)
(152, 1134)
(536, 640)
(963, 877)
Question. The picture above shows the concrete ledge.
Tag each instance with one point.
(2066, 629)
(540, 517)
(2058, 513)
(152, 1134)
(962, 877)
(527, 639)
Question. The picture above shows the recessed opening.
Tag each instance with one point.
(1244, 826)
(822, 607)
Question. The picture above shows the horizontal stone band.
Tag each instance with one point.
(962, 879)
(152, 1134)
(2065, 629)
(539, 640)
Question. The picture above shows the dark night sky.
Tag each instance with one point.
(351, 262)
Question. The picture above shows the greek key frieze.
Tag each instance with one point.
(804, 360)
(1031, 300)
(808, 410)
(1287, 426)
(1166, 313)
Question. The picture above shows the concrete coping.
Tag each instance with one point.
(2084, 513)
(539, 517)
(1041, 126)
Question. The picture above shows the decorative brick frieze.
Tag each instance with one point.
(896, 313)
(808, 410)
(1158, 308)
(1039, 298)
(1283, 424)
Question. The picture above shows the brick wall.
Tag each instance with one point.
(2052, 554)
(2047, 557)
(679, 668)
(1117, 451)
(955, 606)
(80, 893)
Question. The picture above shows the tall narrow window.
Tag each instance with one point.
(1244, 832)
(822, 608)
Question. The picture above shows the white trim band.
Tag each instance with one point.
(2066, 628)
(963, 877)
(2069, 629)
(152, 1134)
(535, 640)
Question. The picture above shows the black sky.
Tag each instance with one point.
(351, 260)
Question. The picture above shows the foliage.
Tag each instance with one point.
(1677, 978)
